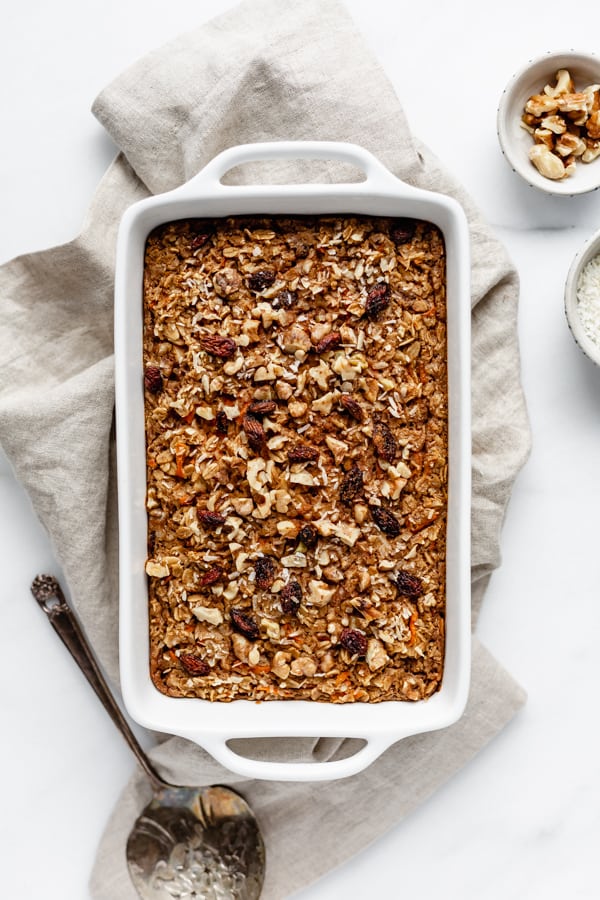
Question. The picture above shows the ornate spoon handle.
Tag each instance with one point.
(49, 595)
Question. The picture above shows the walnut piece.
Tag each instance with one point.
(547, 164)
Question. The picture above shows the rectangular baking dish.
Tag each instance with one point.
(212, 724)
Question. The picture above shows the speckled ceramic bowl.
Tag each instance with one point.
(590, 249)
(515, 141)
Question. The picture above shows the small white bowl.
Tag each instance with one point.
(590, 249)
(515, 141)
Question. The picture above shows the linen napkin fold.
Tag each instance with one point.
(263, 71)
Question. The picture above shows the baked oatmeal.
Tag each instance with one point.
(297, 457)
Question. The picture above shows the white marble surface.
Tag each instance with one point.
(523, 820)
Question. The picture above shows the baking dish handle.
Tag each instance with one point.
(377, 175)
(266, 770)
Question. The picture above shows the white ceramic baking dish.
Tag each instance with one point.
(213, 724)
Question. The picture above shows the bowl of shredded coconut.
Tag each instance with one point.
(582, 298)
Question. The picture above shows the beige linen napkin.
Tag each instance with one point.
(265, 70)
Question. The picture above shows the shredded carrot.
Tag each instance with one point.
(259, 670)
(151, 463)
(420, 524)
(179, 457)
(190, 417)
(412, 624)
(343, 676)
(417, 459)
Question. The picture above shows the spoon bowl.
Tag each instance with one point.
(190, 843)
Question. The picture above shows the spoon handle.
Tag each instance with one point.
(49, 595)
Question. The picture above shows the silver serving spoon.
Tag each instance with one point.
(189, 842)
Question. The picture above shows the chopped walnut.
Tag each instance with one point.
(280, 665)
(241, 647)
(208, 614)
(157, 569)
(304, 666)
(376, 657)
(562, 121)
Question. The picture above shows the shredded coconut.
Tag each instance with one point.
(588, 299)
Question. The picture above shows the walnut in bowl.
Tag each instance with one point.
(549, 123)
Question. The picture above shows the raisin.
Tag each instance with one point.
(409, 585)
(303, 453)
(287, 299)
(264, 569)
(291, 597)
(210, 519)
(199, 240)
(331, 341)
(260, 408)
(153, 380)
(254, 432)
(194, 665)
(378, 299)
(385, 521)
(308, 536)
(384, 441)
(402, 230)
(201, 235)
(299, 244)
(221, 422)
(211, 576)
(354, 641)
(244, 623)
(217, 345)
(352, 407)
(352, 485)
(261, 279)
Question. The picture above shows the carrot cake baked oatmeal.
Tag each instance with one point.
(297, 452)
